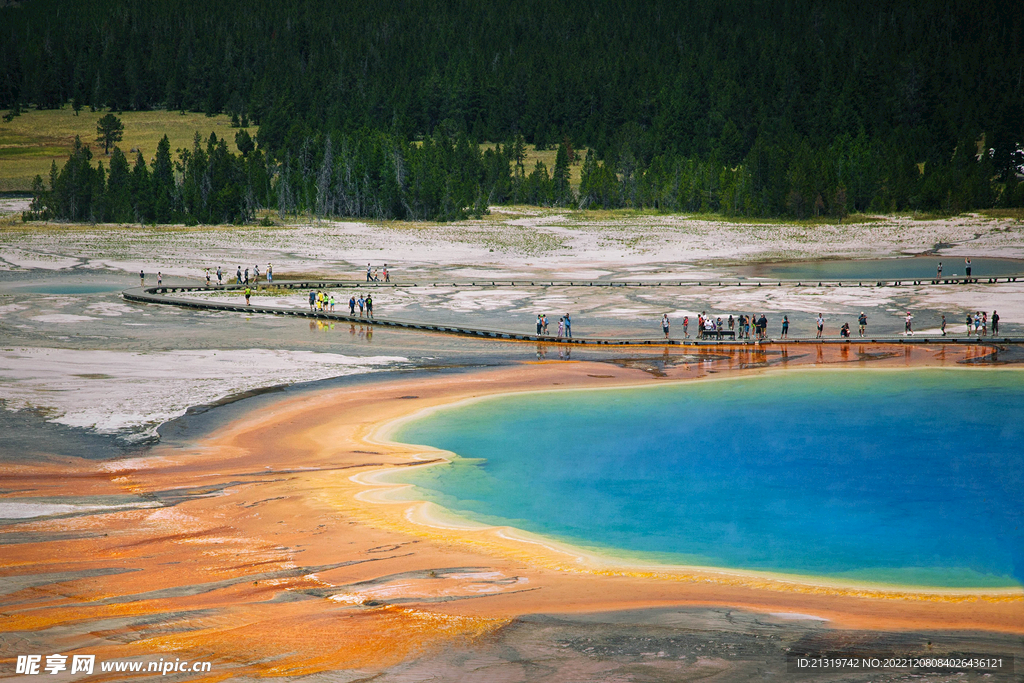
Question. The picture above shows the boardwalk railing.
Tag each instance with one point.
(161, 295)
(704, 282)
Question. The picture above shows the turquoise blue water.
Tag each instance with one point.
(901, 477)
(887, 269)
(73, 288)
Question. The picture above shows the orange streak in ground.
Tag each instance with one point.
(227, 577)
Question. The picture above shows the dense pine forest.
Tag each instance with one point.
(745, 107)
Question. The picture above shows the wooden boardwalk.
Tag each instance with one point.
(164, 295)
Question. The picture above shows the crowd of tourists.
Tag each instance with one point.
(371, 274)
(978, 323)
(243, 277)
(708, 326)
(324, 302)
(563, 331)
(742, 325)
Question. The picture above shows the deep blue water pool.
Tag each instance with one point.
(885, 269)
(902, 477)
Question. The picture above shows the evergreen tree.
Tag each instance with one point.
(109, 130)
(119, 197)
(538, 189)
(72, 187)
(141, 191)
(164, 190)
(562, 194)
(244, 142)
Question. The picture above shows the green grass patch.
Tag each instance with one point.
(33, 151)
(929, 216)
(851, 219)
(547, 157)
(624, 214)
(1014, 214)
(30, 142)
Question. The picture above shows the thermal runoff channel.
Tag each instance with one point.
(895, 477)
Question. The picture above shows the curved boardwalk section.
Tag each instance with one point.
(164, 294)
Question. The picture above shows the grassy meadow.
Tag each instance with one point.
(547, 156)
(30, 142)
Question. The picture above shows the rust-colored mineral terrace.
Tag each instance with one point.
(269, 552)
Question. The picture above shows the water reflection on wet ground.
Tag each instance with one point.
(885, 269)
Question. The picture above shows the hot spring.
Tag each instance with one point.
(901, 477)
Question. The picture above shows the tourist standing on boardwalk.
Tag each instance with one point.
(967, 265)
(862, 321)
(561, 328)
(540, 324)
(908, 327)
(332, 302)
(312, 299)
(943, 326)
(142, 279)
(984, 323)
(207, 277)
(763, 322)
(732, 324)
(995, 323)
(970, 324)
(387, 273)
(708, 328)
(247, 293)
(256, 274)
(938, 271)
(159, 278)
(664, 324)
(785, 327)
(545, 319)
(220, 277)
(686, 326)
(977, 323)
(369, 305)
(352, 305)
(821, 325)
(270, 273)
(568, 327)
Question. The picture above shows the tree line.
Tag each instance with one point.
(378, 175)
(756, 107)
(205, 184)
